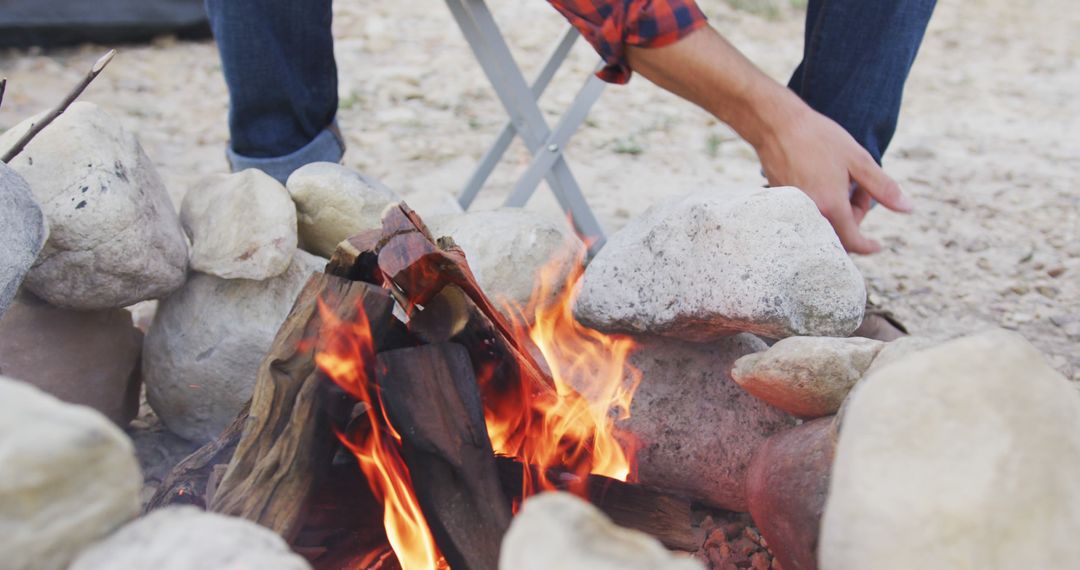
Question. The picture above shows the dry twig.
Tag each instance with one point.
(52, 115)
(3, 88)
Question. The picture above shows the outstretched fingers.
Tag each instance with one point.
(847, 229)
(873, 179)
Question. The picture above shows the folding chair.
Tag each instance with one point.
(527, 121)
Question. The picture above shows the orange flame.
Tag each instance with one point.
(573, 431)
(349, 359)
(570, 429)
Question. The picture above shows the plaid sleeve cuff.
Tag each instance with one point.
(611, 25)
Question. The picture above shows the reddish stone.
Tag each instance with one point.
(81, 357)
(786, 486)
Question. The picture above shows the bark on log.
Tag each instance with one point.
(432, 400)
(288, 442)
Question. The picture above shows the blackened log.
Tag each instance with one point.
(669, 518)
(431, 398)
(357, 259)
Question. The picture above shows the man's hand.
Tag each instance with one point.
(811, 152)
(796, 145)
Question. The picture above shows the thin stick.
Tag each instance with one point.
(74, 94)
(3, 88)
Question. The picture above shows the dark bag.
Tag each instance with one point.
(25, 23)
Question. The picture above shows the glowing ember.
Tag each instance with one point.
(563, 430)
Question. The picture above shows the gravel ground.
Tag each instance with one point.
(987, 146)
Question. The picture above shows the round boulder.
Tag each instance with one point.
(114, 236)
(241, 225)
(204, 348)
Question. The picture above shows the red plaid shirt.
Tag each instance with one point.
(611, 25)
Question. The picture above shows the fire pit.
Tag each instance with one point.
(453, 413)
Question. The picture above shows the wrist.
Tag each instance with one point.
(764, 111)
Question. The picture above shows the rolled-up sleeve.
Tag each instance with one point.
(611, 25)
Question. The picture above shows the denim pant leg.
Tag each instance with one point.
(856, 58)
(278, 61)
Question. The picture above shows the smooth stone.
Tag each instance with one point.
(114, 236)
(241, 225)
(82, 357)
(718, 262)
(203, 350)
(512, 252)
(558, 530)
(188, 538)
(68, 477)
(697, 428)
(23, 231)
(786, 487)
(806, 376)
(900, 348)
(334, 202)
(960, 456)
(432, 202)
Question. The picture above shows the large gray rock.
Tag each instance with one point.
(23, 231)
(67, 478)
(806, 376)
(242, 225)
(716, 262)
(513, 251)
(698, 429)
(187, 538)
(204, 348)
(82, 357)
(558, 530)
(334, 202)
(959, 456)
(114, 236)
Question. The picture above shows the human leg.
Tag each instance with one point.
(856, 59)
(278, 60)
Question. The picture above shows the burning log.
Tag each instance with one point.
(431, 398)
(288, 442)
(669, 518)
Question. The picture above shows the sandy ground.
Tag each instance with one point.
(988, 143)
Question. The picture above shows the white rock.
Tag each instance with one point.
(334, 203)
(961, 456)
(900, 348)
(114, 237)
(23, 232)
(203, 350)
(512, 251)
(68, 477)
(760, 260)
(242, 225)
(432, 202)
(697, 428)
(187, 538)
(560, 531)
(806, 376)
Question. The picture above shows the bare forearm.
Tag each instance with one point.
(707, 70)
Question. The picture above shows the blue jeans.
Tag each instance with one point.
(856, 58)
(278, 60)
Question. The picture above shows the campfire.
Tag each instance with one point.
(452, 412)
